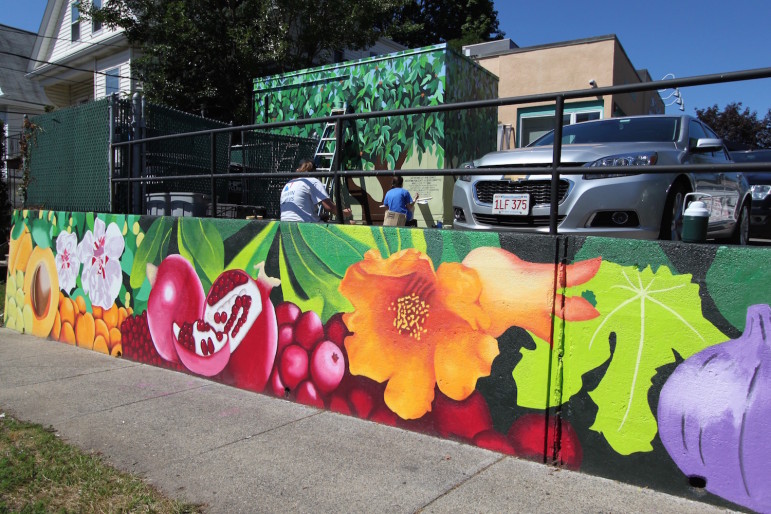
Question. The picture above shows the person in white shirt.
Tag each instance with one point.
(301, 197)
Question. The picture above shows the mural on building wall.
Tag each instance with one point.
(414, 78)
(605, 363)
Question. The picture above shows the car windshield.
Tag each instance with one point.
(620, 130)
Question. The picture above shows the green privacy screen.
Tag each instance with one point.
(69, 159)
(421, 77)
(69, 155)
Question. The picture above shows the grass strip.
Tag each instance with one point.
(41, 473)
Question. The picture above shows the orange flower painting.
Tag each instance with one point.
(416, 328)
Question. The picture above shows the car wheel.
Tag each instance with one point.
(741, 235)
(672, 220)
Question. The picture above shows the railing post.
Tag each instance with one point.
(337, 159)
(556, 158)
(129, 185)
(111, 161)
(213, 169)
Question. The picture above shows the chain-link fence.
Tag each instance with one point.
(70, 162)
(263, 152)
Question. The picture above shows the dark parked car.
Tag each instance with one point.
(635, 204)
(760, 185)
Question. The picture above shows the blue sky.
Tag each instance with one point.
(685, 38)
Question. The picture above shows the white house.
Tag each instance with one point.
(78, 60)
(18, 94)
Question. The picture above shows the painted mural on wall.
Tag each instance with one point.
(617, 361)
(422, 77)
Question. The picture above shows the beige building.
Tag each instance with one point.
(567, 66)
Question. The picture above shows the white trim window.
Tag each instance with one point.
(533, 126)
(111, 81)
(75, 22)
(96, 26)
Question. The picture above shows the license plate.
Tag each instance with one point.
(517, 204)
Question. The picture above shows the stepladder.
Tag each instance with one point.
(327, 158)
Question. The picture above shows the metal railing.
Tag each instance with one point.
(556, 169)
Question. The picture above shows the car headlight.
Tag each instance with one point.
(466, 178)
(760, 191)
(627, 159)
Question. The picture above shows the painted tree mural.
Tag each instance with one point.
(424, 77)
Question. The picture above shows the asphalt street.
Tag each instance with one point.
(238, 451)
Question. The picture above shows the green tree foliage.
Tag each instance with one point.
(457, 22)
(204, 54)
(738, 128)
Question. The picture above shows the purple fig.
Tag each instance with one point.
(714, 415)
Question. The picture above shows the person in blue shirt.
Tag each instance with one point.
(398, 199)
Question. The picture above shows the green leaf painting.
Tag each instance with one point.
(310, 251)
(644, 318)
(256, 251)
(200, 243)
(413, 78)
(40, 229)
(152, 249)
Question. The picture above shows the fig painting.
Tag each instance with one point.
(589, 362)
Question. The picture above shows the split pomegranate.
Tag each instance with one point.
(176, 297)
(201, 348)
(240, 307)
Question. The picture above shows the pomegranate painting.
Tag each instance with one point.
(176, 298)
(714, 415)
(232, 331)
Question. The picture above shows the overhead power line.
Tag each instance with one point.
(42, 75)
(66, 66)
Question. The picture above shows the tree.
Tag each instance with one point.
(739, 129)
(203, 55)
(457, 22)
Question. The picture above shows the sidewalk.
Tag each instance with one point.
(237, 451)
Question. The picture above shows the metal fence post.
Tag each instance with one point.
(111, 109)
(556, 158)
(213, 169)
(135, 155)
(337, 159)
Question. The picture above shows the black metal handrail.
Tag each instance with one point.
(555, 170)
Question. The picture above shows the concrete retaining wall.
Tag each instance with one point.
(640, 361)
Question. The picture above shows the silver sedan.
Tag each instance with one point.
(635, 204)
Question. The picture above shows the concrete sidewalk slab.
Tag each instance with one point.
(31, 365)
(237, 451)
(534, 487)
(328, 463)
(152, 434)
(78, 394)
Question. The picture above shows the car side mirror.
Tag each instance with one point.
(706, 145)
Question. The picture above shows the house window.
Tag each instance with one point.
(112, 81)
(75, 23)
(535, 122)
(96, 26)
